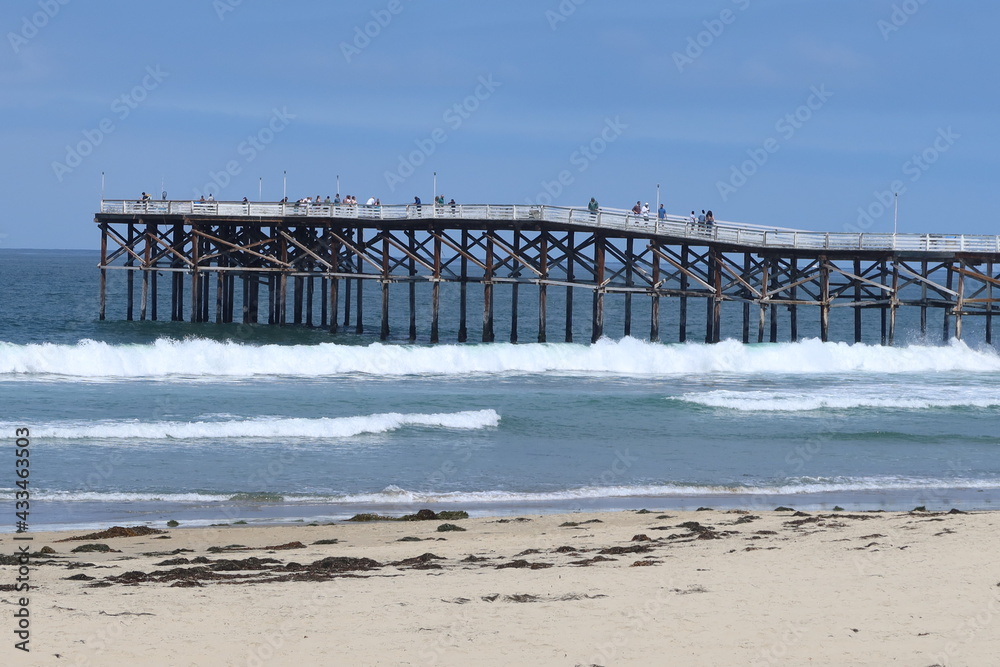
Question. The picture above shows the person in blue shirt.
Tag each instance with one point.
(661, 213)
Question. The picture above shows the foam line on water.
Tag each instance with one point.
(263, 427)
(213, 360)
(396, 495)
(771, 401)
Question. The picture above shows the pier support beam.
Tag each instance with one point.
(130, 277)
(384, 278)
(570, 258)
(597, 320)
(683, 305)
(463, 289)
(102, 306)
(654, 308)
(436, 289)
(629, 263)
(824, 299)
(411, 243)
(543, 269)
(488, 335)
(516, 275)
(359, 288)
(950, 283)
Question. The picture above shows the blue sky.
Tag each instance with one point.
(787, 112)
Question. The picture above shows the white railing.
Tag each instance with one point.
(672, 226)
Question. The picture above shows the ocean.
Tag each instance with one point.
(144, 422)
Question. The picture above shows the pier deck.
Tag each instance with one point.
(288, 248)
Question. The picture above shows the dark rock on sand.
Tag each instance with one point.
(448, 527)
(116, 531)
(89, 548)
(617, 551)
(519, 564)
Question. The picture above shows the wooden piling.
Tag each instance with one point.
(894, 304)
(463, 289)
(950, 283)
(570, 255)
(597, 319)
(411, 243)
(748, 295)
(773, 292)
(960, 300)
(989, 302)
(629, 283)
(682, 306)
(654, 309)
(857, 301)
(436, 290)
(102, 308)
(130, 275)
(488, 335)
(824, 306)
(543, 270)
(765, 267)
(359, 288)
(384, 279)
(516, 275)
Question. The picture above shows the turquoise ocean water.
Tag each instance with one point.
(137, 422)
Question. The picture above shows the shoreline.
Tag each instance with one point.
(595, 588)
(82, 515)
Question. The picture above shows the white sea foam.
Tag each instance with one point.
(263, 427)
(393, 495)
(212, 360)
(785, 401)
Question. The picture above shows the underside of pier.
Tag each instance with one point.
(317, 271)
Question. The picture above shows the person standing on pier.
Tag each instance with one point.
(637, 209)
(709, 219)
(645, 211)
(592, 206)
(661, 213)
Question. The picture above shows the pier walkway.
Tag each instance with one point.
(287, 248)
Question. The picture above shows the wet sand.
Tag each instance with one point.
(609, 588)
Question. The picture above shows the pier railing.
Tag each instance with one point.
(672, 226)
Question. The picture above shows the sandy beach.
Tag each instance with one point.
(621, 588)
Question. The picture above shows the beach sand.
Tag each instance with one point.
(612, 588)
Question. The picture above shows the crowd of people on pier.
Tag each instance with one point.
(639, 210)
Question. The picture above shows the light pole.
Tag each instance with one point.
(260, 188)
(102, 187)
(657, 200)
(338, 185)
(435, 187)
(284, 185)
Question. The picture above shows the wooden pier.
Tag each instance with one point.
(290, 260)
